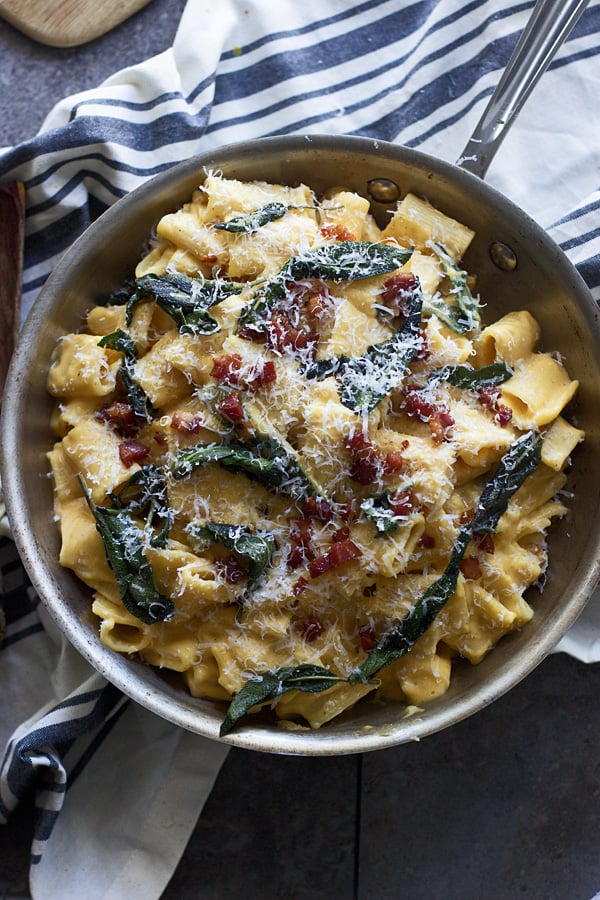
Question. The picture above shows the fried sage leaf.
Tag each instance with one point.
(124, 548)
(186, 299)
(234, 456)
(254, 220)
(145, 495)
(307, 678)
(264, 459)
(339, 261)
(520, 461)
(516, 465)
(120, 341)
(365, 380)
(473, 379)
(378, 509)
(462, 314)
(347, 261)
(402, 638)
(256, 547)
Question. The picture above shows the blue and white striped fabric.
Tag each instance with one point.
(135, 784)
(416, 72)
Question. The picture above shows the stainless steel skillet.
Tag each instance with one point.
(542, 281)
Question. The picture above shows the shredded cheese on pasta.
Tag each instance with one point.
(364, 504)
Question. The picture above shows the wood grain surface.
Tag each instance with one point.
(12, 216)
(67, 23)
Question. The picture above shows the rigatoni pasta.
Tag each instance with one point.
(293, 464)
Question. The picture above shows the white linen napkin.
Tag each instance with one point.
(411, 72)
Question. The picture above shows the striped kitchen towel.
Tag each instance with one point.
(416, 72)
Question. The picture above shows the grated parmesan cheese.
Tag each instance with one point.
(336, 582)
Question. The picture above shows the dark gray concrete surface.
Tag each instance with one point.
(502, 806)
(505, 805)
(34, 77)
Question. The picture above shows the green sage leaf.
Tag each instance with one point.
(522, 458)
(120, 341)
(339, 261)
(263, 688)
(264, 459)
(462, 314)
(365, 380)
(347, 261)
(377, 508)
(397, 642)
(187, 300)
(145, 495)
(254, 220)
(256, 547)
(124, 548)
(472, 379)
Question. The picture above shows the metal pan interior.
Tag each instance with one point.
(543, 282)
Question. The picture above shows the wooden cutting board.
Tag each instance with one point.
(67, 23)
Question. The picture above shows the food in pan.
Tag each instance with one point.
(294, 465)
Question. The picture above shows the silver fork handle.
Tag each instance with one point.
(550, 23)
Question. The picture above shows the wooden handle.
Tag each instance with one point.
(12, 219)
